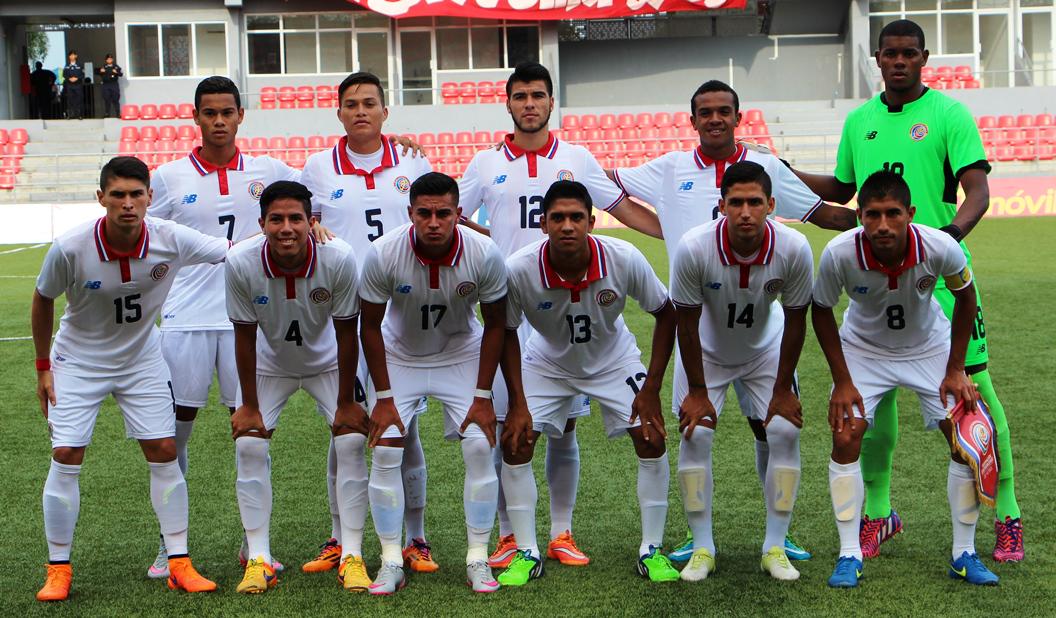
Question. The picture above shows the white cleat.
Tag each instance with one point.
(776, 563)
(389, 579)
(160, 568)
(701, 564)
(479, 577)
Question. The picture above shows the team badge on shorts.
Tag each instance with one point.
(159, 272)
(606, 297)
(918, 132)
(402, 184)
(256, 188)
(925, 283)
(565, 175)
(465, 288)
(320, 296)
(774, 286)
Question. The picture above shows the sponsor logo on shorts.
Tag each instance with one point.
(544, 306)
(260, 300)
(565, 175)
(606, 297)
(256, 188)
(774, 286)
(320, 296)
(925, 283)
(465, 288)
(92, 285)
(402, 184)
(169, 316)
(404, 288)
(918, 132)
(159, 272)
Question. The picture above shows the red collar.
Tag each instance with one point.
(597, 269)
(343, 164)
(204, 168)
(729, 258)
(273, 271)
(914, 255)
(514, 152)
(702, 160)
(451, 259)
(108, 254)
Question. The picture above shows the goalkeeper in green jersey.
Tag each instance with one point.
(932, 142)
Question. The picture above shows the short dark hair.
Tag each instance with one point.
(713, 85)
(108, 55)
(567, 189)
(746, 172)
(285, 189)
(529, 72)
(39, 64)
(217, 84)
(72, 52)
(883, 184)
(361, 77)
(434, 183)
(124, 167)
(900, 27)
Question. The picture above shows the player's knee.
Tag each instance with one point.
(647, 449)
(159, 451)
(68, 455)
(250, 449)
(846, 445)
(757, 429)
(521, 451)
(570, 425)
(186, 413)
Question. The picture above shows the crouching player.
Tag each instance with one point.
(301, 296)
(894, 334)
(727, 276)
(431, 274)
(572, 287)
(115, 272)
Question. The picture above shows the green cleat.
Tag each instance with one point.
(524, 567)
(657, 567)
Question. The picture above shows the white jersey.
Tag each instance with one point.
(578, 329)
(113, 299)
(221, 201)
(684, 188)
(511, 182)
(294, 311)
(360, 205)
(431, 319)
(892, 313)
(741, 317)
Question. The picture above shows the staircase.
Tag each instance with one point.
(62, 163)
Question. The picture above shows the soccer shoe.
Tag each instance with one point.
(57, 583)
(389, 579)
(160, 568)
(775, 562)
(794, 550)
(418, 557)
(972, 570)
(564, 550)
(524, 567)
(873, 532)
(847, 573)
(1008, 546)
(701, 564)
(353, 574)
(258, 578)
(182, 576)
(656, 567)
(684, 552)
(479, 577)
(504, 552)
(244, 551)
(329, 558)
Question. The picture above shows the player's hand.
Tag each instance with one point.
(409, 145)
(247, 421)
(695, 408)
(481, 412)
(646, 406)
(321, 233)
(844, 398)
(784, 403)
(517, 426)
(960, 387)
(383, 416)
(45, 391)
(351, 416)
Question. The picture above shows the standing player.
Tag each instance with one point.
(431, 275)
(216, 190)
(931, 141)
(726, 278)
(115, 272)
(301, 295)
(511, 182)
(683, 187)
(894, 334)
(359, 188)
(571, 286)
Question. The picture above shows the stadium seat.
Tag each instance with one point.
(499, 135)
(669, 145)
(332, 140)
(14, 150)
(296, 142)
(592, 135)
(4, 136)
(607, 121)
(649, 133)
(128, 134)
(570, 122)
(663, 120)
(927, 74)
(242, 143)
(445, 138)
(186, 131)
(126, 148)
(754, 116)
(167, 111)
(1024, 153)
(184, 145)
(326, 96)
(287, 97)
(129, 112)
(148, 111)
(185, 111)
(268, 97)
(296, 158)
(167, 132)
(683, 119)
(1046, 152)
(486, 92)
(642, 120)
(1047, 135)
(427, 139)
(945, 73)
(316, 143)
(500, 90)
(148, 133)
(276, 143)
(588, 121)
(972, 83)
(449, 93)
(463, 137)
(954, 85)
(962, 72)
(7, 182)
(939, 85)
(1004, 153)
(483, 138)
(1006, 121)
(258, 145)
(986, 122)
(305, 97)
(1025, 120)
(467, 92)
(1043, 120)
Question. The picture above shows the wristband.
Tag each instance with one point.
(385, 394)
(954, 231)
(43, 364)
(483, 394)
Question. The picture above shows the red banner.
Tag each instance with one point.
(537, 10)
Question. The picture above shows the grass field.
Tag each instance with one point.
(117, 534)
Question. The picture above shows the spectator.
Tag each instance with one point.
(42, 82)
(73, 87)
(111, 89)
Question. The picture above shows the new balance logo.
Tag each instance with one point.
(714, 285)
(93, 285)
(543, 306)
(260, 300)
(404, 289)
(686, 186)
(190, 198)
(499, 180)
(870, 135)
(336, 194)
(861, 289)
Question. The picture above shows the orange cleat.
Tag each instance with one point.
(504, 552)
(182, 576)
(419, 557)
(564, 550)
(329, 558)
(57, 584)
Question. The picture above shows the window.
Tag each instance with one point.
(177, 50)
(317, 43)
(463, 44)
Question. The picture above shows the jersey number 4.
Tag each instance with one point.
(293, 333)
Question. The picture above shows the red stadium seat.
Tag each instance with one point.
(129, 112)
(954, 85)
(668, 132)
(962, 72)
(445, 138)
(1004, 153)
(427, 139)
(986, 122)
(1014, 136)
(686, 131)
(332, 140)
(1047, 135)
(126, 148)
(128, 134)
(258, 145)
(1043, 120)
(939, 85)
(287, 97)
(463, 137)
(184, 145)
(467, 92)
(644, 119)
(486, 92)
(1025, 120)
(569, 122)
(326, 96)
(186, 131)
(148, 133)
(148, 111)
(625, 120)
(607, 121)
(305, 97)
(4, 137)
(483, 138)
(944, 73)
(242, 143)
(663, 120)
(754, 116)
(574, 135)
(557, 133)
(669, 145)
(449, 93)
(928, 74)
(268, 97)
(500, 90)
(185, 111)
(1006, 121)
(972, 83)
(7, 182)
(296, 142)
(14, 150)
(588, 121)
(296, 158)
(167, 132)
(1024, 153)
(649, 133)
(683, 119)
(277, 142)
(316, 143)
(592, 135)
(1046, 152)
(167, 111)
(499, 136)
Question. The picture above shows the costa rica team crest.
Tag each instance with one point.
(256, 188)
(465, 288)
(158, 272)
(402, 184)
(320, 296)
(606, 297)
(918, 132)
(565, 175)
(925, 283)
(774, 286)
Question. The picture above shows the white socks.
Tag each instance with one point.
(562, 477)
(253, 488)
(351, 490)
(697, 486)
(183, 436)
(518, 482)
(168, 495)
(964, 507)
(385, 489)
(414, 482)
(762, 458)
(62, 505)
(654, 475)
(848, 494)
(331, 492)
(781, 481)
(505, 527)
(480, 495)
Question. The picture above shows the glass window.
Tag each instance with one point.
(1035, 3)
(300, 52)
(367, 19)
(143, 51)
(210, 49)
(264, 53)
(335, 20)
(920, 5)
(452, 48)
(298, 22)
(487, 48)
(416, 21)
(176, 49)
(929, 23)
(993, 4)
(957, 36)
(884, 6)
(336, 52)
(262, 22)
(522, 45)
(876, 24)
(374, 54)
(452, 21)
(956, 4)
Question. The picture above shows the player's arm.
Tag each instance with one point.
(637, 217)
(975, 204)
(828, 188)
(783, 401)
(482, 411)
(42, 323)
(384, 414)
(844, 393)
(350, 417)
(956, 383)
(696, 407)
(830, 217)
(473, 225)
(518, 418)
(646, 403)
(247, 420)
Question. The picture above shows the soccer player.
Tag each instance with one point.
(931, 141)
(216, 190)
(115, 272)
(359, 188)
(510, 182)
(683, 187)
(301, 295)
(894, 334)
(571, 286)
(726, 279)
(431, 274)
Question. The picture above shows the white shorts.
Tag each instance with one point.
(874, 377)
(549, 399)
(753, 382)
(452, 386)
(192, 356)
(738, 389)
(274, 391)
(144, 396)
(579, 405)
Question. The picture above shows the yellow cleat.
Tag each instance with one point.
(258, 578)
(353, 574)
(182, 576)
(57, 584)
(329, 558)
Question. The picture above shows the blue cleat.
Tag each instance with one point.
(684, 551)
(793, 550)
(972, 570)
(847, 573)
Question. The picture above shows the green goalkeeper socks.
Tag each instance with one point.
(877, 457)
(1006, 505)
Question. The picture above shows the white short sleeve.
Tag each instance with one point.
(239, 304)
(828, 285)
(685, 277)
(346, 289)
(646, 181)
(514, 308)
(492, 285)
(605, 193)
(470, 190)
(424, 167)
(799, 286)
(374, 283)
(645, 286)
(55, 274)
(308, 180)
(281, 171)
(193, 247)
(793, 199)
(162, 200)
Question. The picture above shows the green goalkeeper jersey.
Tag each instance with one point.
(929, 142)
